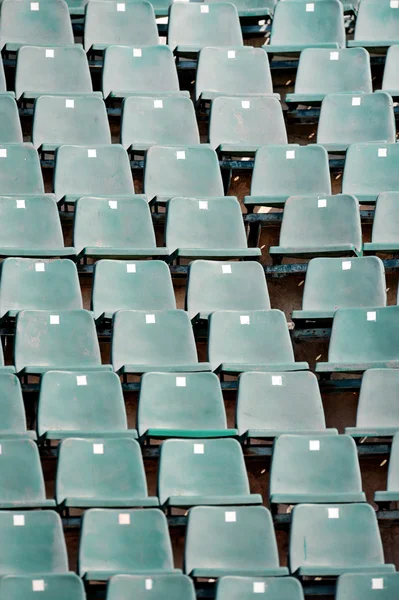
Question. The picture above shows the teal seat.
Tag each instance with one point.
(272, 588)
(214, 285)
(10, 125)
(12, 409)
(81, 405)
(271, 404)
(137, 542)
(187, 406)
(203, 472)
(377, 25)
(390, 82)
(163, 587)
(327, 541)
(363, 338)
(122, 285)
(161, 340)
(362, 586)
(385, 233)
(251, 340)
(237, 540)
(20, 171)
(283, 171)
(315, 226)
(392, 492)
(202, 228)
(253, 8)
(67, 586)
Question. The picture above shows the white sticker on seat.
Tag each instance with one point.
(113, 204)
(92, 153)
(226, 269)
(124, 519)
(150, 319)
(382, 152)
(69, 103)
(205, 9)
(158, 103)
(310, 7)
(258, 587)
(203, 204)
(38, 585)
(3, 153)
(346, 265)
(244, 320)
(377, 583)
(394, 3)
(131, 268)
(277, 380)
(54, 319)
(120, 7)
(1, 450)
(148, 584)
(181, 155)
(98, 448)
(21, 204)
(230, 516)
(198, 448)
(40, 267)
(322, 203)
(180, 382)
(137, 52)
(334, 55)
(356, 101)
(290, 154)
(245, 104)
(49, 53)
(371, 316)
(34, 6)
(81, 380)
(231, 53)
(314, 445)
(333, 513)
(19, 520)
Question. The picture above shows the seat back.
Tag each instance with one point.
(390, 80)
(66, 586)
(378, 406)
(371, 169)
(386, 217)
(244, 588)
(362, 586)
(12, 410)
(10, 125)
(20, 171)
(163, 587)
(21, 476)
(377, 21)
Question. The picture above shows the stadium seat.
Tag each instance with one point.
(244, 588)
(45, 341)
(214, 285)
(161, 340)
(385, 233)
(390, 82)
(327, 541)
(38, 285)
(75, 405)
(252, 340)
(333, 283)
(59, 120)
(271, 404)
(198, 228)
(322, 71)
(123, 24)
(181, 171)
(168, 120)
(392, 492)
(20, 171)
(106, 473)
(144, 71)
(236, 541)
(10, 125)
(362, 586)
(12, 410)
(363, 338)
(203, 472)
(283, 171)
(163, 587)
(188, 406)
(377, 24)
(67, 586)
(24, 22)
(115, 227)
(137, 542)
(238, 126)
(319, 226)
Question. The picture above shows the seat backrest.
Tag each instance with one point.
(377, 21)
(386, 218)
(21, 476)
(371, 169)
(363, 586)
(66, 586)
(390, 80)
(378, 406)
(163, 587)
(244, 588)
(20, 171)
(12, 410)
(10, 125)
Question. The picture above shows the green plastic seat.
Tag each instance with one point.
(20, 171)
(101, 473)
(187, 406)
(24, 22)
(12, 409)
(205, 228)
(167, 120)
(214, 285)
(251, 340)
(38, 285)
(392, 492)
(81, 405)
(115, 227)
(161, 340)
(10, 125)
(377, 24)
(333, 283)
(163, 587)
(122, 285)
(140, 71)
(272, 404)
(252, 8)
(363, 338)
(320, 226)
(283, 171)
(322, 71)
(390, 82)
(137, 542)
(364, 586)
(272, 588)
(349, 7)
(327, 541)
(67, 586)
(224, 541)
(48, 340)
(385, 232)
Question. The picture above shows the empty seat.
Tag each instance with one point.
(254, 340)
(283, 171)
(137, 542)
(183, 406)
(81, 405)
(67, 586)
(163, 587)
(244, 588)
(212, 285)
(271, 404)
(10, 125)
(203, 472)
(234, 541)
(120, 285)
(161, 340)
(390, 82)
(20, 171)
(385, 232)
(377, 24)
(59, 120)
(320, 226)
(327, 541)
(362, 586)
(12, 410)
(392, 492)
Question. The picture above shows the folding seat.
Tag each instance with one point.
(212, 285)
(137, 542)
(163, 587)
(168, 120)
(385, 233)
(254, 340)
(392, 492)
(24, 22)
(236, 541)
(161, 340)
(271, 404)
(322, 71)
(67, 586)
(38, 285)
(12, 409)
(362, 586)
(75, 405)
(207, 229)
(283, 171)
(327, 541)
(115, 227)
(10, 125)
(319, 226)
(59, 120)
(121, 285)
(363, 338)
(66, 341)
(244, 588)
(377, 24)
(20, 171)
(203, 472)
(390, 82)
